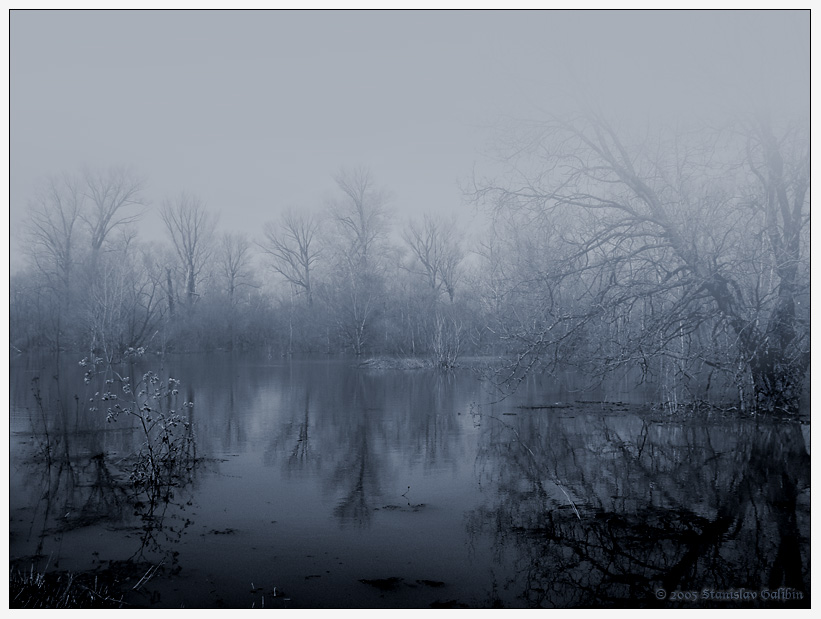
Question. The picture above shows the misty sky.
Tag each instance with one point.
(254, 112)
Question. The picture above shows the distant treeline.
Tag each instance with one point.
(677, 253)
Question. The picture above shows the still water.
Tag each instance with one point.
(319, 484)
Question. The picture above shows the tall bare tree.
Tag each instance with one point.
(437, 251)
(293, 250)
(360, 216)
(235, 262)
(51, 231)
(191, 229)
(355, 290)
(111, 194)
(671, 250)
(774, 335)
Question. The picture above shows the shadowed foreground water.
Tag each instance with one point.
(317, 484)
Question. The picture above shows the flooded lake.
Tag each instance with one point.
(317, 484)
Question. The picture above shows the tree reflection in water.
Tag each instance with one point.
(357, 467)
(360, 432)
(665, 507)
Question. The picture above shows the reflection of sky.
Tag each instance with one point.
(255, 112)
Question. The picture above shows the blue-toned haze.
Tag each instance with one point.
(255, 112)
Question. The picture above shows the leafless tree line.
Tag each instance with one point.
(680, 254)
(314, 280)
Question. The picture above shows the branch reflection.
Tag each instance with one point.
(695, 506)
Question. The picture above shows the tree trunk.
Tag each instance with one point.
(777, 382)
(170, 291)
(192, 287)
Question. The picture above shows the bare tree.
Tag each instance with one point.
(146, 297)
(110, 193)
(361, 216)
(235, 262)
(436, 247)
(105, 309)
(51, 231)
(774, 336)
(662, 256)
(293, 250)
(355, 290)
(191, 229)
(354, 300)
(124, 306)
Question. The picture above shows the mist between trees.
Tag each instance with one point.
(678, 255)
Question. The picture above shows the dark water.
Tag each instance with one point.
(317, 484)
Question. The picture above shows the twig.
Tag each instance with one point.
(148, 575)
(554, 479)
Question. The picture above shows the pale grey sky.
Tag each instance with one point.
(255, 112)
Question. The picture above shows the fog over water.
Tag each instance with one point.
(255, 111)
(410, 309)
